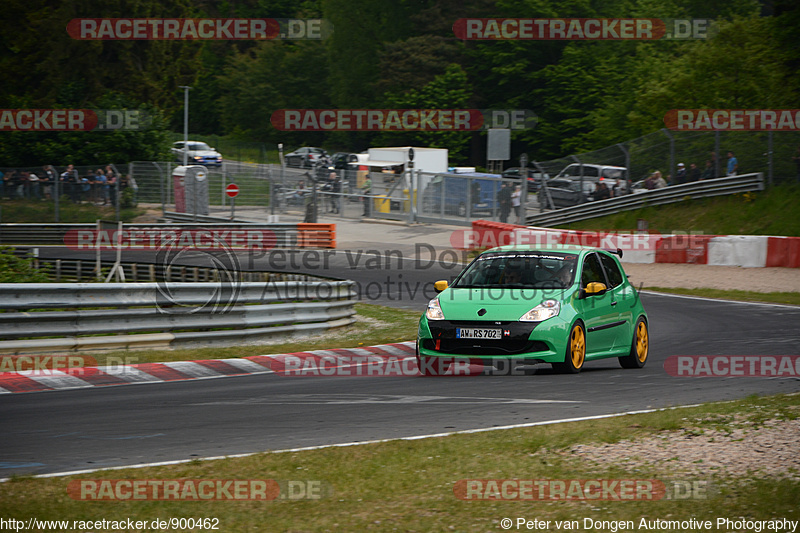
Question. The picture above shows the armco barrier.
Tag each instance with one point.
(56, 317)
(666, 195)
(723, 250)
(286, 235)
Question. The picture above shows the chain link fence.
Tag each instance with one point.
(313, 194)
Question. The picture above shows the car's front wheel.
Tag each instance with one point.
(576, 351)
(640, 347)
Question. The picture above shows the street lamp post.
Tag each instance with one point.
(186, 90)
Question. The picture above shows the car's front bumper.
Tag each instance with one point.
(543, 342)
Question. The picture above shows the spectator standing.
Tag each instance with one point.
(601, 191)
(708, 172)
(111, 185)
(23, 187)
(100, 187)
(336, 188)
(516, 202)
(366, 191)
(658, 180)
(69, 180)
(619, 188)
(693, 174)
(35, 191)
(680, 175)
(47, 179)
(504, 201)
(733, 164)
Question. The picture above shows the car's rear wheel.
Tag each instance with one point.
(640, 347)
(576, 351)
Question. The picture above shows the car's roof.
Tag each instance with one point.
(569, 249)
(561, 248)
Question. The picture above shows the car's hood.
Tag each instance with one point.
(500, 304)
(204, 153)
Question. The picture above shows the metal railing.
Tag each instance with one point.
(85, 270)
(666, 195)
(286, 235)
(84, 316)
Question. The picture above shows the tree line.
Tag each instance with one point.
(389, 54)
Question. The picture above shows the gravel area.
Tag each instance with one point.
(687, 276)
(771, 449)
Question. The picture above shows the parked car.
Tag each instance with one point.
(592, 172)
(198, 153)
(343, 160)
(565, 192)
(304, 157)
(535, 305)
(534, 177)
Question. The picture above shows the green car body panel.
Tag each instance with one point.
(608, 318)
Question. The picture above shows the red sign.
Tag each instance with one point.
(232, 190)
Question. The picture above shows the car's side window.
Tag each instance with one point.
(612, 270)
(592, 271)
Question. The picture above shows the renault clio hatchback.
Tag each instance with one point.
(563, 306)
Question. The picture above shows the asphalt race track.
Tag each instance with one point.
(63, 431)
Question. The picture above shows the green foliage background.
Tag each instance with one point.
(385, 54)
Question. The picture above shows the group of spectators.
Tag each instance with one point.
(682, 175)
(100, 187)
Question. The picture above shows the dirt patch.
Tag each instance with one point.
(771, 449)
(686, 276)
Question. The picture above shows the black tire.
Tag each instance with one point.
(640, 346)
(575, 355)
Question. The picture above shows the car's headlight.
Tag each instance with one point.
(434, 311)
(543, 311)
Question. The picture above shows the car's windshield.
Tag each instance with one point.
(199, 146)
(529, 270)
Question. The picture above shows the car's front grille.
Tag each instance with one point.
(516, 338)
(484, 347)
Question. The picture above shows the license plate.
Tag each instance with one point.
(478, 333)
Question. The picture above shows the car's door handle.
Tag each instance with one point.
(614, 303)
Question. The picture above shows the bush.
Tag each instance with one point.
(14, 269)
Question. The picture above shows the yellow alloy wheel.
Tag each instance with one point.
(577, 347)
(642, 342)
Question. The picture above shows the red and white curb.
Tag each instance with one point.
(102, 376)
(720, 250)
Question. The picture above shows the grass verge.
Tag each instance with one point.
(788, 298)
(757, 213)
(42, 212)
(375, 324)
(408, 485)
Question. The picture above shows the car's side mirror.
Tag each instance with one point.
(595, 288)
(440, 285)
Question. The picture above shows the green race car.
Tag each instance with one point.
(529, 305)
